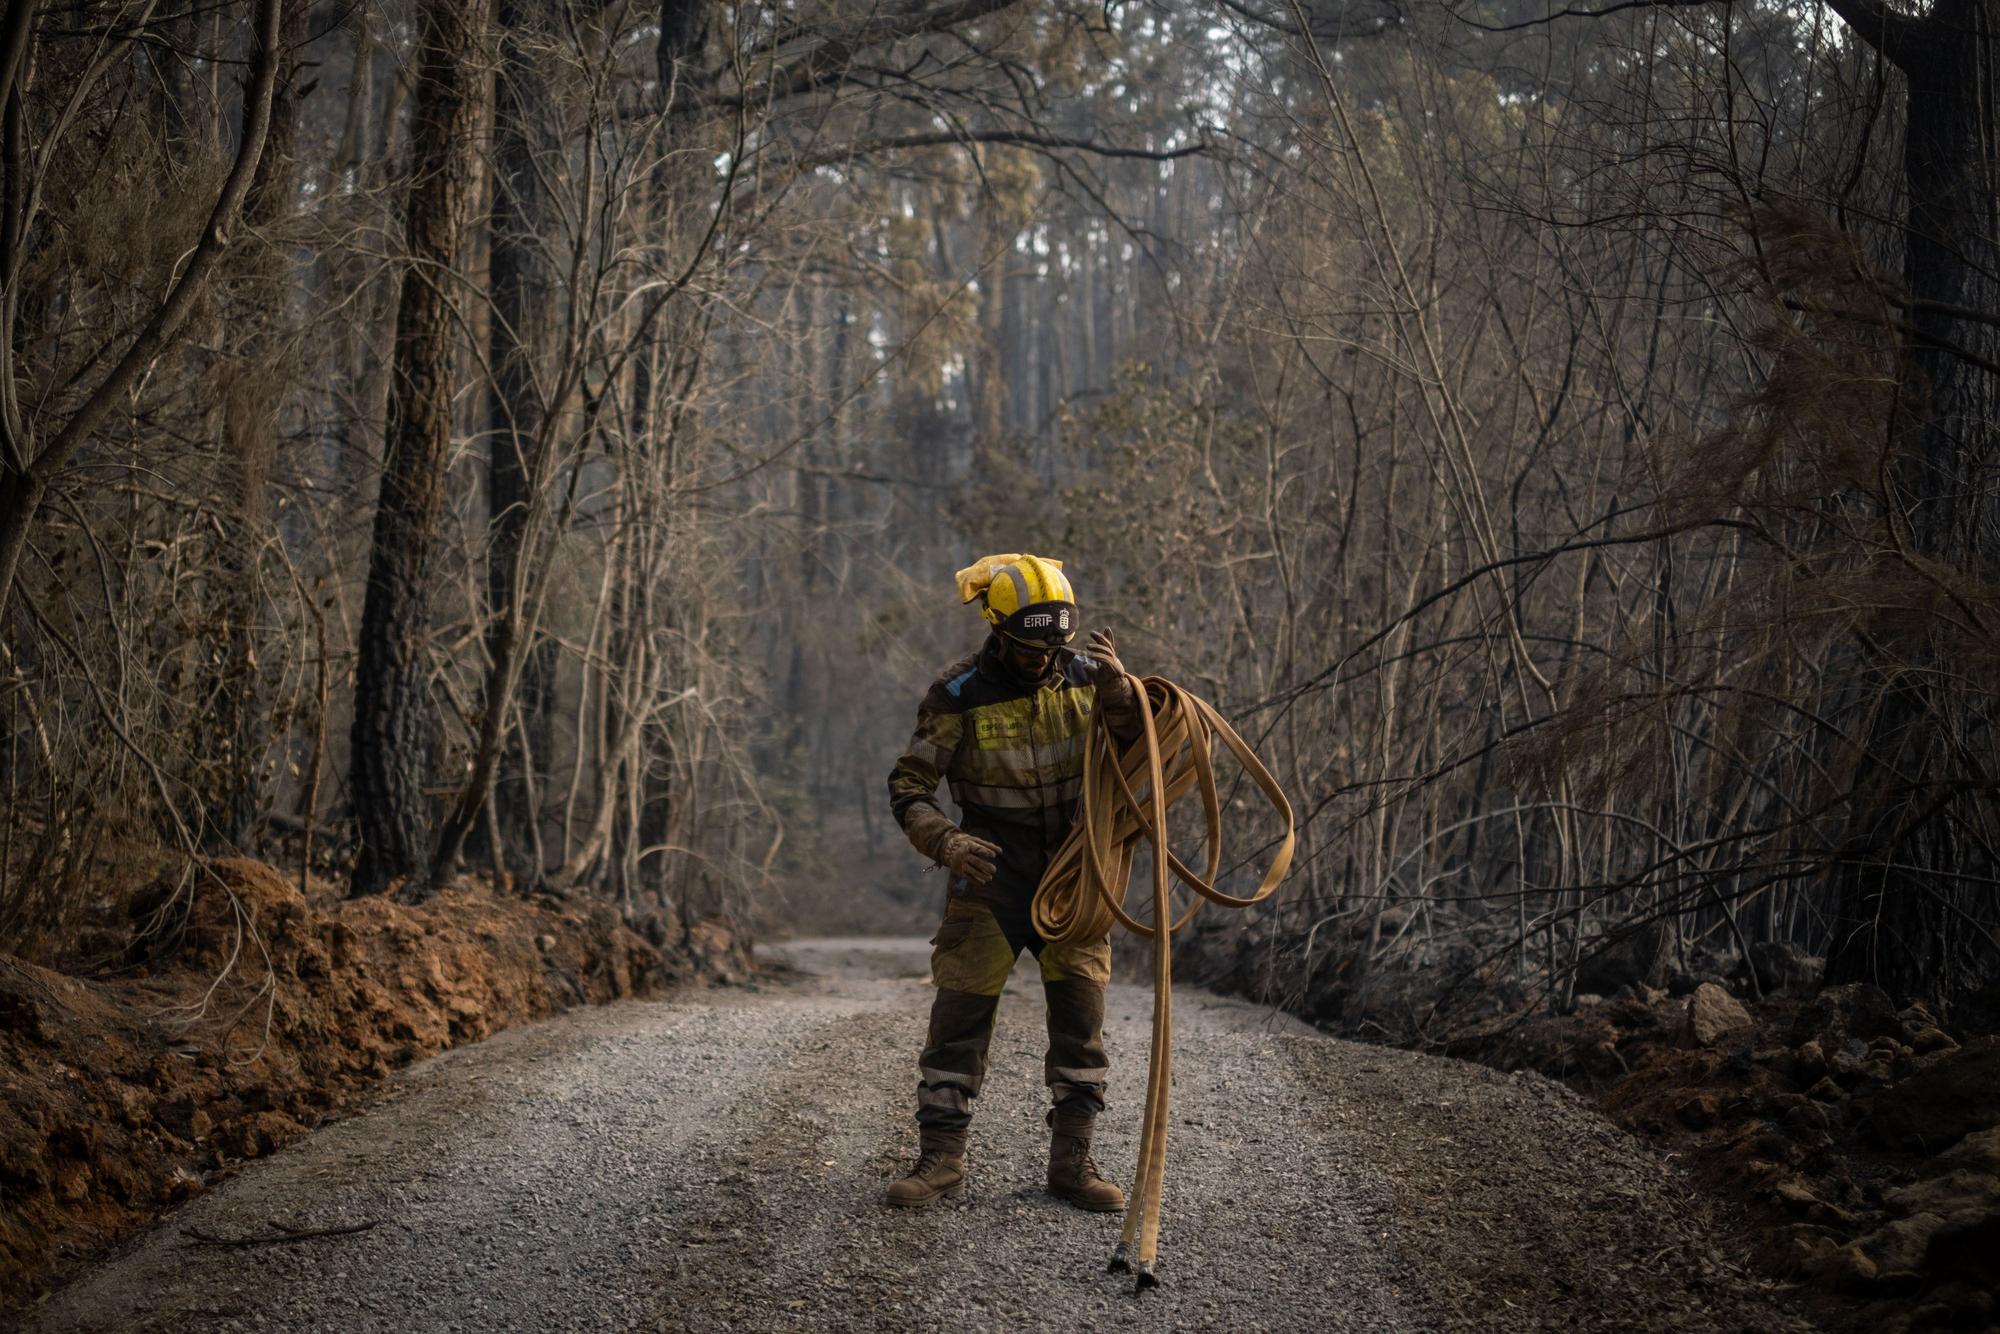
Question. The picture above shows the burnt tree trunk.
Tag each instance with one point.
(523, 294)
(1919, 878)
(395, 726)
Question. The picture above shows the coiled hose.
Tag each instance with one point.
(1126, 799)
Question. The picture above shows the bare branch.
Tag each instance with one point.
(1018, 138)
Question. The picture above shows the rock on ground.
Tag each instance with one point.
(1713, 1014)
(714, 1163)
(1946, 1100)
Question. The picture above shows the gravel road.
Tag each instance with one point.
(712, 1162)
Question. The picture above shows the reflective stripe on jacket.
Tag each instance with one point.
(1012, 755)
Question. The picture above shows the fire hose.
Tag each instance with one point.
(1126, 797)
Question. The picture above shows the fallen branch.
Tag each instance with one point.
(282, 1235)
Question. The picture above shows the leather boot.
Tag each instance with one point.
(940, 1171)
(1073, 1173)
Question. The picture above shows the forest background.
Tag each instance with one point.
(538, 438)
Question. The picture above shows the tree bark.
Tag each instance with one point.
(523, 294)
(1920, 873)
(395, 725)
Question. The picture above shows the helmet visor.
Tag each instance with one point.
(1042, 625)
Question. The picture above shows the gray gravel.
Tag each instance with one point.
(712, 1162)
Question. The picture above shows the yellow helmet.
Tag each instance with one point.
(1024, 597)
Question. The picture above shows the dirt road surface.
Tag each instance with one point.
(713, 1162)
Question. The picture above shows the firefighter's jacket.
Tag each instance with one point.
(1012, 755)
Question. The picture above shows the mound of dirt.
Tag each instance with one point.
(262, 1012)
(1865, 1137)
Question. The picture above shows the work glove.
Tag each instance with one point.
(1117, 700)
(1106, 672)
(971, 859)
(968, 857)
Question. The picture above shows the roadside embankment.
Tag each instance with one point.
(1861, 1138)
(1864, 1136)
(252, 1012)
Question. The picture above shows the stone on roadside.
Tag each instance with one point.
(1945, 1226)
(1852, 1010)
(1898, 1250)
(1956, 1094)
(1712, 1015)
(1845, 1267)
(1977, 1152)
(1856, 1064)
(1800, 1198)
(1943, 1229)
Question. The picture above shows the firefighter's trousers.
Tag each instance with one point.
(974, 951)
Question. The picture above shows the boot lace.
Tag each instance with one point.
(1078, 1151)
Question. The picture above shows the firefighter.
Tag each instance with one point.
(1005, 728)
